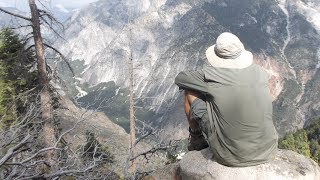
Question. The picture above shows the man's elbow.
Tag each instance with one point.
(178, 78)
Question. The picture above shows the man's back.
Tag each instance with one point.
(241, 107)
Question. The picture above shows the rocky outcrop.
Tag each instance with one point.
(287, 165)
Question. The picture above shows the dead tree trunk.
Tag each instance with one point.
(131, 108)
(45, 98)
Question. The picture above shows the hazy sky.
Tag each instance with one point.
(22, 4)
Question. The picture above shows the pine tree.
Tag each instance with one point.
(297, 142)
(315, 150)
(16, 76)
(305, 141)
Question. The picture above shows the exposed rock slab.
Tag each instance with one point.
(286, 165)
(170, 171)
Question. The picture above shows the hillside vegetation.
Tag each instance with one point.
(304, 141)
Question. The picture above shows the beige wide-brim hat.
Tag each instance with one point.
(229, 52)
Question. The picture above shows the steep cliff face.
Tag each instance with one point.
(168, 36)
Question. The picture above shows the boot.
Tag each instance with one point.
(196, 140)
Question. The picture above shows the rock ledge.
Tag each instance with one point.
(286, 165)
(197, 165)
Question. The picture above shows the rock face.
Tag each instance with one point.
(169, 36)
(287, 165)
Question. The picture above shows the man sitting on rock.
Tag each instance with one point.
(229, 103)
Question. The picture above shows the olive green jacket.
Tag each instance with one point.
(239, 108)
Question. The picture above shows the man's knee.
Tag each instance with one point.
(191, 95)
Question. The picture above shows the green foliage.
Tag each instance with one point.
(171, 157)
(315, 150)
(175, 152)
(313, 131)
(15, 58)
(7, 109)
(16, 77)
(296, 142)
(304, 141)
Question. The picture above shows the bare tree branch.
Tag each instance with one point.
(21, 26)
(51, 17)
(12, 150)
(62, 56)
(14, 14)
(143, 137)
(28, 48)
(25, 159)
(50, 25)
(153, 150)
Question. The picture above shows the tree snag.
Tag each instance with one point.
(131, 108)
(48, 132)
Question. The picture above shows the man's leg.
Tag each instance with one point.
(197, 140)
(190, 96)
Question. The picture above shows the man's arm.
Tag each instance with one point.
(191, 80)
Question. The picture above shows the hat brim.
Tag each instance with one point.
(242, 61)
